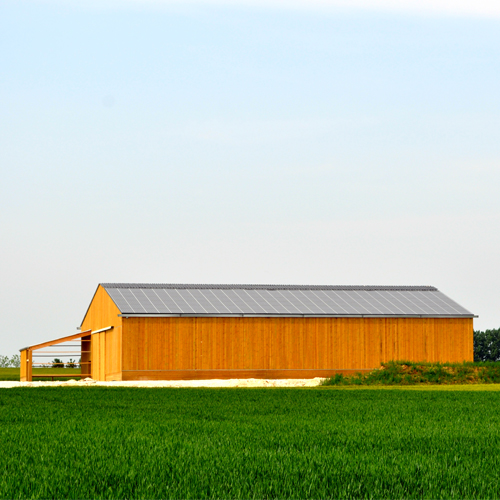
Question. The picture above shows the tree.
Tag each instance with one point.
(14, 361)
(57, 363)
(487, 345)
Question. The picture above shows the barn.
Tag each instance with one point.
(175, 331)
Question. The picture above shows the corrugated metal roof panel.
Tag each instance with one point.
(282, 300)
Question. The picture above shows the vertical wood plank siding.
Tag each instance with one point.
(25, 366)
(279, 346)
(106, 353)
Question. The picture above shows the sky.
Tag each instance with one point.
(303, 142)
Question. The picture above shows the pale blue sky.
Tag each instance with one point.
(154, 142)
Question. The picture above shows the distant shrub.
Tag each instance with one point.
(71, 364)
(414, 373)
(487, 345)
(57, 363)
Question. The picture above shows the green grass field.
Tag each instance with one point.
(13, 373)
(249, 443)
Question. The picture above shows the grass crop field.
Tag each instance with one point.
(13, 373)
(249, 443)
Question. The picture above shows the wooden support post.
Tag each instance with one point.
(26, 368)
(23, 370)
(29, 365)
(86, 357)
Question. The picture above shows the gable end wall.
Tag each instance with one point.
(106, 346)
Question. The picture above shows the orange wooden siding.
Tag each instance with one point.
(282, 344)
(105, 346)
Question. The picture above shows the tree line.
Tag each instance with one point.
(487, 345)
(12, 362)
(59, 363)
(15, 362)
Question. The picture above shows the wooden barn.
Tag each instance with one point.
(172, 331)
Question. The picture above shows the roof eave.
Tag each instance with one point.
(250, 315)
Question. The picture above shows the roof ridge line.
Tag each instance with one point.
(205, 286)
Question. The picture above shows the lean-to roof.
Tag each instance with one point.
(142, 299)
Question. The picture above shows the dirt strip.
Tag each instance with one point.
(251, 382)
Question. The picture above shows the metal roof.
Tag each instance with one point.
(144, 299)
